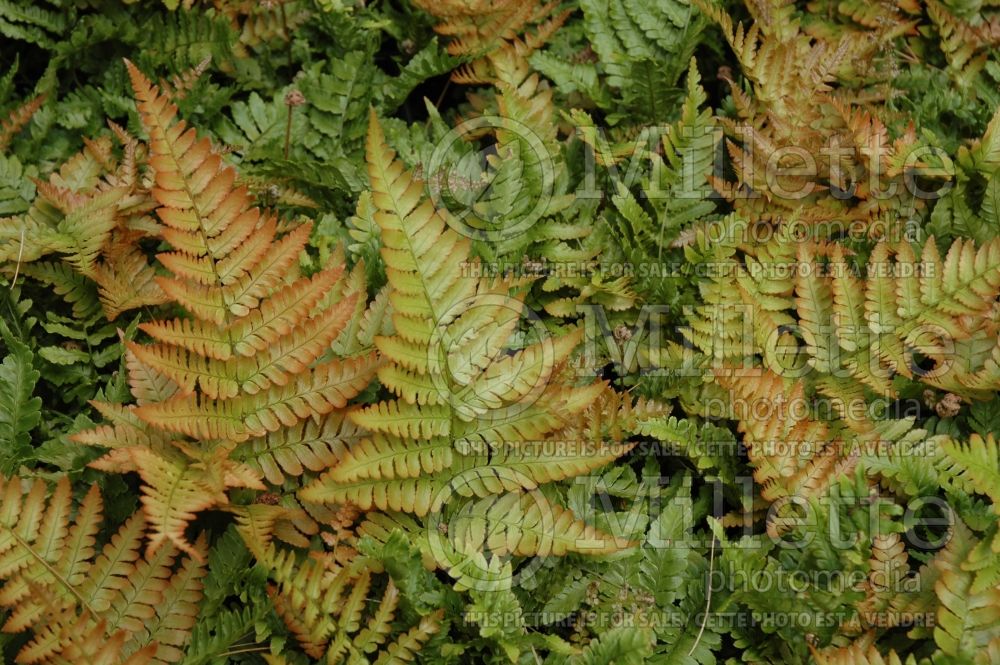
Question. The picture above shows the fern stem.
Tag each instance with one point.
(288, 131)
(20, 255)
(233, 652)
(708, 598)
(52, 571)
(440, 98)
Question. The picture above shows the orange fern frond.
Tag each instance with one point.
(181, 84)
(476, 28)
(17, 119)
(251, 357)
(114, 608)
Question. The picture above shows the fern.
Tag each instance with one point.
(450, 428)
(856, 654)
(964, 621)
(775, 247)
(477, 28)
(17, 119)
(339, 100)
(977, 465)
(520, 212)
(115, 608)
(90, 214)
(324, 605)
(956, 213)
(621, 645)
(31, 22)
(242, 365)
(641, 49)
(186, 38)
(19, 411)
(857, 334)
(671, 198)
(16, 190)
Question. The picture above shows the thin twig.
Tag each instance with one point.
(440, 98)
(708, 598)
(233, 652)
(20, 255)
(288, 131)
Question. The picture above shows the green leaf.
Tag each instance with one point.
(623, 646)
(59, 355)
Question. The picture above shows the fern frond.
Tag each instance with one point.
(468, 418)
(325, 605)
(965, 621)
(312, 444)
(406, 647)
(642, 49)
(976, 466)
(117, 608)
(126, 280)
(248, 360)
(17, 119)
(814, 302)
(527, 524)
(20, 412)
(171, 496)
(857, 653)
(478, 28)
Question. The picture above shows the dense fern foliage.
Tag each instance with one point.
(499, 331)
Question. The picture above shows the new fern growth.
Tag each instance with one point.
(467, 420)
(92, 214)
(479, 27)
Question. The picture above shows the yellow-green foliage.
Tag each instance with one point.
(617, 331)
